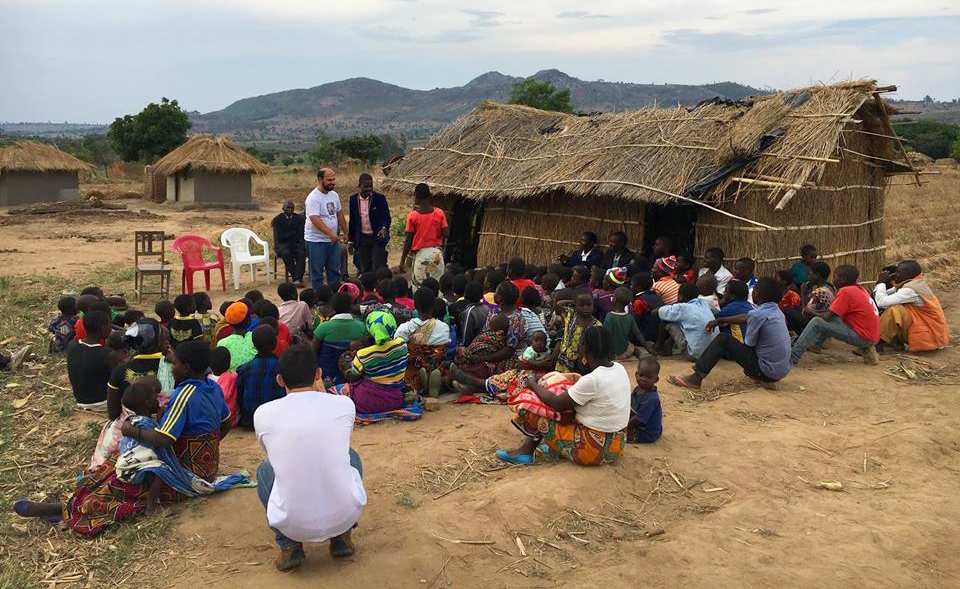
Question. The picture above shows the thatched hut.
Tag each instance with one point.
(208, 169)
(33, 172)
(758, 177)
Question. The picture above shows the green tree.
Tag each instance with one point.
(365, 148)
(324, 152)
(956, 149)
(99, 151)
(929, 137)
(151, 133)
(541, 95)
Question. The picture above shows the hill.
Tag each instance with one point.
(360, 105)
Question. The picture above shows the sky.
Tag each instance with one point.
(93, 61)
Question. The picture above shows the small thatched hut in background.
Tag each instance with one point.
(758, 177)
(33, 172)
(208, 169)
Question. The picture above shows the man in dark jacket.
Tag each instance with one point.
(617, 254)
(369, 228)
(288, 241)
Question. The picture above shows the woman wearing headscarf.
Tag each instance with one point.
(376, 373)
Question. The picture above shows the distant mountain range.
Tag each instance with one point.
(361, 105)
(290, 120)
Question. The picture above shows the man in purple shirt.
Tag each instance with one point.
(765, 351)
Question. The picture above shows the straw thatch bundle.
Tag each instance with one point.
(208, 153)
(32, 156)
(789, 167)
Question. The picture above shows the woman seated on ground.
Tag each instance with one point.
(577, 318)
(427, 340)
(600, 406)
(473, 374)
(197, 418)
(375, 377)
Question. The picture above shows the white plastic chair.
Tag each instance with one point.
(237, 240)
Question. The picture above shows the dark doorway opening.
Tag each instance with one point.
(465, 232)
(676, 221)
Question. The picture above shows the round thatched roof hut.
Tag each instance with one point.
(758, 177)
(33, 172)
(209, 169)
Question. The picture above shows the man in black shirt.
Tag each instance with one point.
(288, 241)
(89, 364)
(617, 254)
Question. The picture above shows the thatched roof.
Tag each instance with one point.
(781, 141)
(31, 156)
(209, 154)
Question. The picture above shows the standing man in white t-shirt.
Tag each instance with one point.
(321, 232)
(311, 482)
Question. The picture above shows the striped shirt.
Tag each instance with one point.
(668, 289)
(196, 407)
(383, 364)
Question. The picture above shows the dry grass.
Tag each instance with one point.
(913, 370)
(473, 466)
(924, 223)
(209, 154)
(40, 452)
(31, 156)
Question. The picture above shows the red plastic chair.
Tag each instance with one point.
(191, 249)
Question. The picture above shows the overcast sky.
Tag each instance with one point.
(70, 60)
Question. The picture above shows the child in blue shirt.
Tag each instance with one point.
(735, 303)
(63, 325)
(646, 413)
(257, 379)
(686, 321)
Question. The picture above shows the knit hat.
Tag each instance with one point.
(352, 290)
(618, 276)
(236, 313)
(667, 265)
(381, 325)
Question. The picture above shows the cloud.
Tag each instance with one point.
(581, 14)
(484, 18)
(760, 11)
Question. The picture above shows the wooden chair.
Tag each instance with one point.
(150, 259)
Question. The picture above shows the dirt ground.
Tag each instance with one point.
(730, 496)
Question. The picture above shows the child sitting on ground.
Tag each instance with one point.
(184, 326)
(708, 291)
(646, 413)
(685, 274)
(131, 317)
(644, 306)
(368, 294)
(62, 326)
(219, 329)
(735, 304)
(254, 296)
(686, 322)
(226, 379)
(402, 289)
(268, 312)
(141, 397)
(203, 308)
(257, 379)
(537, 351)
(165, 312)
(789, 298)
(623, 329)
(333, 336)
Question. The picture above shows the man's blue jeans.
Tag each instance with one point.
(820, 330)
(265, 478)
(323, 256)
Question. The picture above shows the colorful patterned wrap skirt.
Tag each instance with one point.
(576, 442)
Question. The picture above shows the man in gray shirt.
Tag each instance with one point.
(765, 351)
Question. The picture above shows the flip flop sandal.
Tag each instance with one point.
(681, 382)
(20, 508)
(521, 459)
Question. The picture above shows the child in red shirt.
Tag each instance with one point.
(853, 318)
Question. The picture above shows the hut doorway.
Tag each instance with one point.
(465, 232)
(676, 221)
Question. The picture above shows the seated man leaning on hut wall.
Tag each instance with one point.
(911, 314)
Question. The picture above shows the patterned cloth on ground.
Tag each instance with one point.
(409, 412)
(137, 460)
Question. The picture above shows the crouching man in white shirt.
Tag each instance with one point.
(311, 482)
